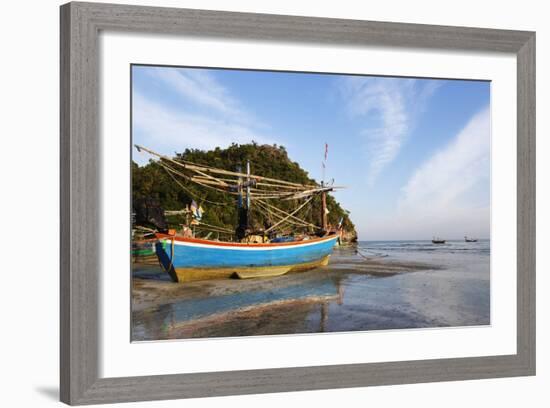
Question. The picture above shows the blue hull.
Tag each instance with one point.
(181, 256)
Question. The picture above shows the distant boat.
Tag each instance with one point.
(438, 241)
(470, 239)
(143, 243)
(143, 247)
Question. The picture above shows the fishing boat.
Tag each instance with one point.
(248, 253)
(438, 241)
(143, 247)
(188, 259)
(466, 239)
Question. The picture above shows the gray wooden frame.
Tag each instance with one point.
(80, 192)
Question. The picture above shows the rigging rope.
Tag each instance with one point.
(286, 213)
(290, 215)
(193, 195)
(289, 221)
(192, 166)
(221, 229)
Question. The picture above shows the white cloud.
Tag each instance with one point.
(389, 106)
(201, 88)
(449, 194)
(448, 175)
(167, 130)
(206, 116)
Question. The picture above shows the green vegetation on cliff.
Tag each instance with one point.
(151, 181)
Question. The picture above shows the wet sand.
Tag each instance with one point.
(151, 286)
(345, 295)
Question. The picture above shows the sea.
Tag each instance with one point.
(374, 285)
(456, 293)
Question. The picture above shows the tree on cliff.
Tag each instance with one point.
(152, 182)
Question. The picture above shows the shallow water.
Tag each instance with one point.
(359, 290)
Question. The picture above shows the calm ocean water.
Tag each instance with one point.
(345, 296)
(404, 248)
(456, 294)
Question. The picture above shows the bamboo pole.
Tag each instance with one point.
(209, 177)
(308, 193)
(210, 181)
(280, 217)
(324, 210)
(216, 226)
(192, 194)
(258, 183)
(176, 212)
(192, 166)
(169, 169)
(291, 214)
(286, 213)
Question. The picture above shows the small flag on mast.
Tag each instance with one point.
(326, 150)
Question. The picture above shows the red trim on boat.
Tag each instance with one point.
(239, 244)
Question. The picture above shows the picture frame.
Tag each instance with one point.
(80, 152)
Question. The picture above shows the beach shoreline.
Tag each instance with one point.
(371, 286)
(152, 287)
(162, 309)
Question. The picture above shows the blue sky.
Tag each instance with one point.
(414, 153)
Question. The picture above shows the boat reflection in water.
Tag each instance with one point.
(281, 307)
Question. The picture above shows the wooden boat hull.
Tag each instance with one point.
(189, 259)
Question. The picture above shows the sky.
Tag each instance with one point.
(414, 154)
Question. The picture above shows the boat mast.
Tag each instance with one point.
(248, 193)
(324, 220)
(244, 209)
(240, 232)
(324, 208)
(239, 189)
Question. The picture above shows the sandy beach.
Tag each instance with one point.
(356, 291)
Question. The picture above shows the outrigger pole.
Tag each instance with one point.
(208, 169)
